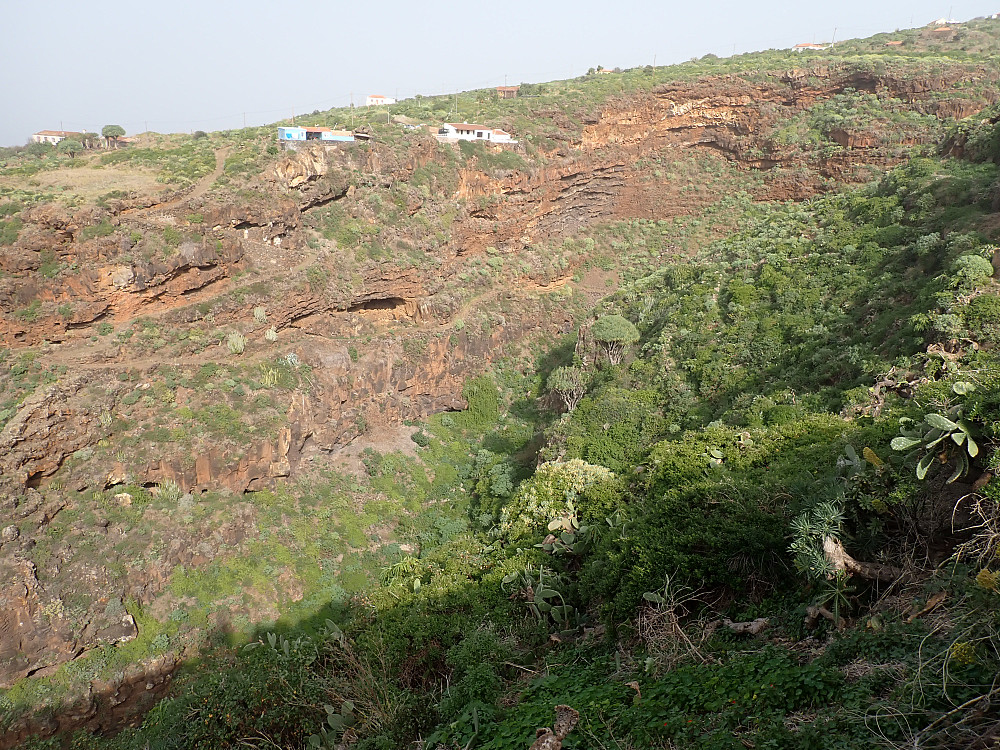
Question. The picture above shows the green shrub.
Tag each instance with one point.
(969, 271)
(31, 313)
(103, 229)
(553, 492)
(172, 237)
(9, 231)
(982, 311)
(483, 400)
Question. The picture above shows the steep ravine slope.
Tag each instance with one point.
(383, 298)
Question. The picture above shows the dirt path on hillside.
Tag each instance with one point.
(208, 292)
(72, 354)
(200, 189)
(108, 358)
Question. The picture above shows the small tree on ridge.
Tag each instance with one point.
(112, 133)
(69, 146)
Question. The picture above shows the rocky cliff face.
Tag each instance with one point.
(379, 336)
(738, 117)
(106, 706)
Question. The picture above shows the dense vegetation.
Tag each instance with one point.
(823, 381)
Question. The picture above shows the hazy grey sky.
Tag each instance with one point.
(181, 65)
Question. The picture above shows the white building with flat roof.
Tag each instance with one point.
(465, 131)
(377, 100)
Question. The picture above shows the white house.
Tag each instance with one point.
(377, 100)
(53, 136)
(464, 131)
(811, 47)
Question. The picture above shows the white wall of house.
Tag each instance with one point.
(52, 138)
(472, 132)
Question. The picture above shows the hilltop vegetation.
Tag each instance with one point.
(721, 473)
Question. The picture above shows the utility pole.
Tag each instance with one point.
(293, 115)
(145, 124)
(834, 36)
(244, 119)
(352, 110)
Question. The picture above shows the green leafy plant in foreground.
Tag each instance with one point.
(940, 437)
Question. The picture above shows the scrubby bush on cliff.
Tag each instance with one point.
(236, 342)
(9, 231)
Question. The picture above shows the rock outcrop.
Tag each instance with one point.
(39, 630)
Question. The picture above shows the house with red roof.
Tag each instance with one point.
(53, 136)
(811, 47)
